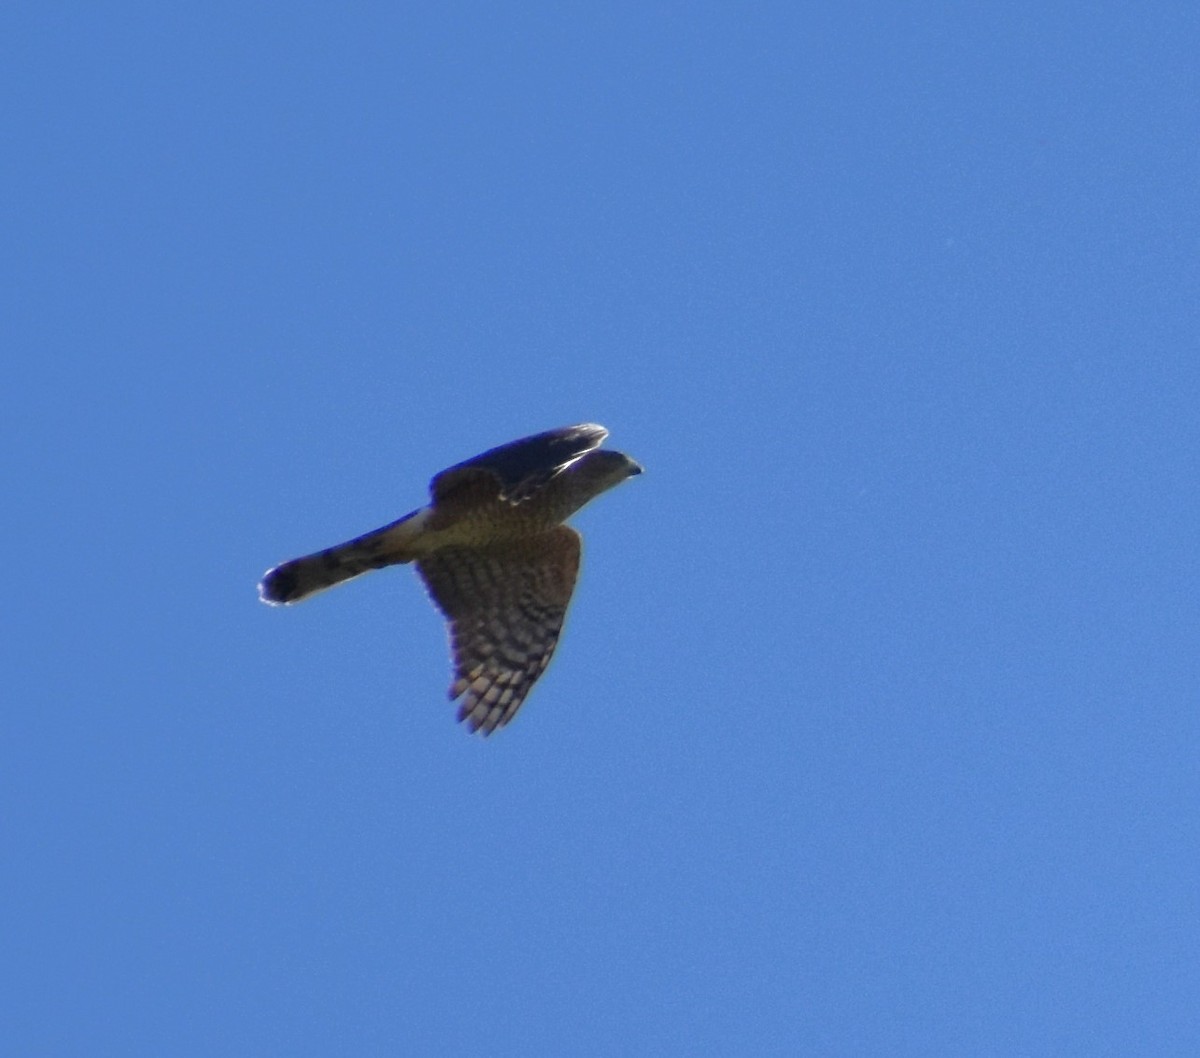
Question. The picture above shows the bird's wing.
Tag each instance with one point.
(518, 469)
(504, 605)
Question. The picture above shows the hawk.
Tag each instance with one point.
(495, 557)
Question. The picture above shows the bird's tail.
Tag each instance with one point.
(301, 577)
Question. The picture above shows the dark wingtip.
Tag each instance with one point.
(591, 430)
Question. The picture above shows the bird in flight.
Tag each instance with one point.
(495, 556)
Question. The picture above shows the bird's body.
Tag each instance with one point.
(494, 554)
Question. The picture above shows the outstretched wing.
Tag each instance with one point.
(518, 469)
(505, 606)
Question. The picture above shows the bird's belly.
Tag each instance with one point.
(497, 523)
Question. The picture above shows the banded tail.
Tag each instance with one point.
(302, 577)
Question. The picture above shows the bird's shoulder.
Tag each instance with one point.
(517, 470)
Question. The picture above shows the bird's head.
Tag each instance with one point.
(602, 469)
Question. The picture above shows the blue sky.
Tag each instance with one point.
(874, 726)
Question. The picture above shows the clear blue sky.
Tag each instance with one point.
(874, 727)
